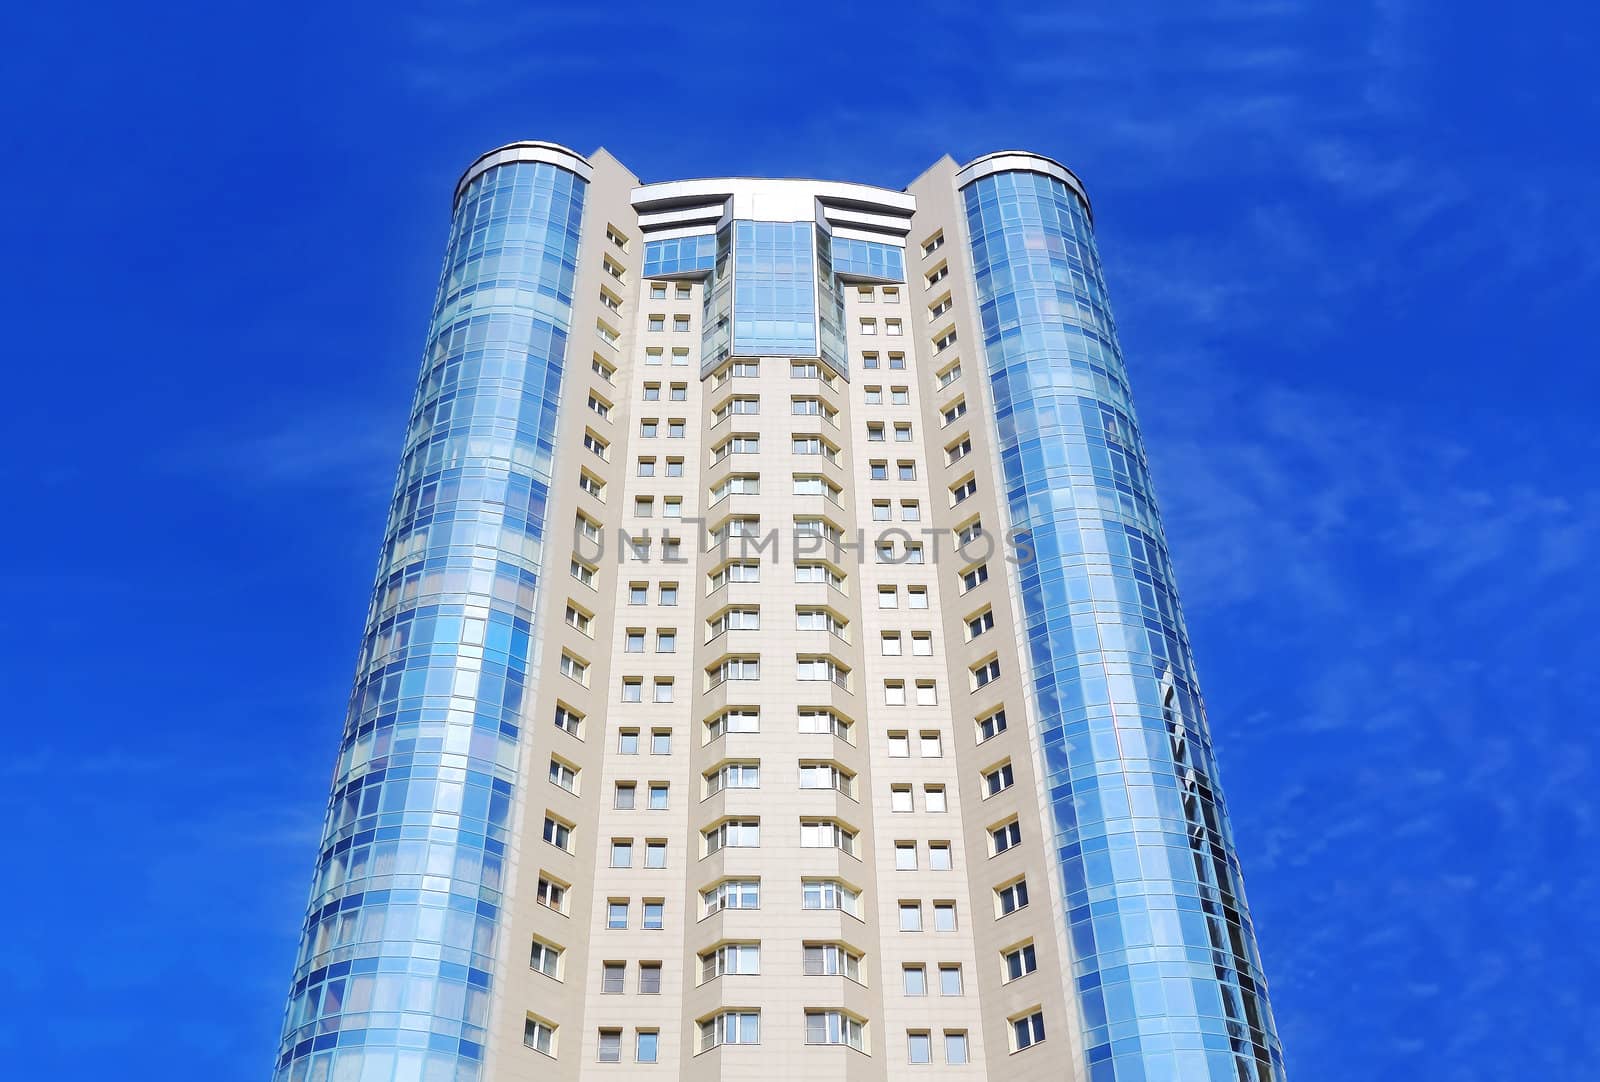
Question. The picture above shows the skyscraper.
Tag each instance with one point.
(774, 668)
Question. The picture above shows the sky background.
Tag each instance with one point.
(1354, 251)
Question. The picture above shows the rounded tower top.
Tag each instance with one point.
(1011, 161)
(524, 150)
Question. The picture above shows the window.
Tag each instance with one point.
(616, 236)
(628, 742)
(894, 693)
(937, 274)
(907, 471)
(564, 775)
(905, 856)
(733, 720)
(1028, 1030)
(658, 291)
(985, 673)
(658, 793)
(649, 426)
(944, 916)
(676, 428)
(733, 894)
(600, 406)
(892, 327)
(880, 510)
(610, 1046)
(647, 1046)
(869, 360)
(612, 978)
(955, 1046)
(933, 243)
(592, 485)
(950, 980)
(655, 854)
(821, 668)
(874, 395)
(945, 341)
(1011, 897)
(669, 593)
(657, 322)
(835, 1027)
(662, 691)
(954, 411)
(997, 780)
(869, 327)
(890, 644)
(558, 833)
(828, 776)
(622, 852)
(652, 392)
(623, 797)
(1019, 961)
(546, 959)
(949, 376)
(632, 689)
(830, 894)
(900, 396)
(539, 1035)
(824, 722)
(939, 856)
(919, 1047)
(730, 1027)
(830, 960)
(731, 959)
(827, 834)
(917, 597)
(878, 470)
(927, 692)
(900, 798)
(733, 834)
(940, 307)
(653, 355)
(899, 746)
(911, 916)
(734, 668)
(875, 433)
(574, 668)
(680, 356)
(974, 577)
(888, 597)
(666, 641)
(963, 491)
(922, 644)
(991, 725)
(551, 895)
(617, 914)
(633, 641)
(568, 720)
(674, 467)
(1007, 835)
(933, 798)
(897, 362)
(638, 593)
(733, 776)
(915, 979)
(655, 913)
(597, 446)
(932, 745)
(680, 323)
(977, 625)
(679, 392)
(683, 290)
(902, 433)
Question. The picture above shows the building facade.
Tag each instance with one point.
(774, 668)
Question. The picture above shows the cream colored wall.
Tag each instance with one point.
(782, 992)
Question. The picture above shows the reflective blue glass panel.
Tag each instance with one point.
(1164, 957)
(774, 304)
(680, 255)
(868, 259)
(396, 960)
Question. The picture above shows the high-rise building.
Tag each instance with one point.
(774, 669)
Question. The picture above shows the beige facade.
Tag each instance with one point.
(848, 770)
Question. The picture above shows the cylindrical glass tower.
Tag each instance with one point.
(397, 954)
(1165, 964)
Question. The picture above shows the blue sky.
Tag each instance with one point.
(1354, 250)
